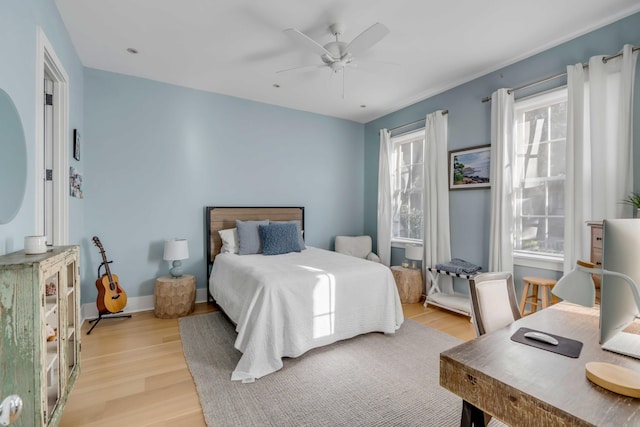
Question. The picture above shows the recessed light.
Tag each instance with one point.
(132, 50)
(276, 85)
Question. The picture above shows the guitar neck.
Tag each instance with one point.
(106, 265)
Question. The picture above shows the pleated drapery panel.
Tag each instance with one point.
(436, 230)
(501, 178)
(384, 198)
(599, 147)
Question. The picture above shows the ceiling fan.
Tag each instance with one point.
(337, 55)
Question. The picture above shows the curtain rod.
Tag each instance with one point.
(414, 122)
(555, 76)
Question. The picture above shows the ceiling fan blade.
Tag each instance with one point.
(300, 68)
(367, 38)
(304, 40)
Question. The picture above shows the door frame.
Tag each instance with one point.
(48, 60)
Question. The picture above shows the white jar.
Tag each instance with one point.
(35, 245)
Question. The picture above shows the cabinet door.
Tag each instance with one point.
(70, 320)
(52, 340)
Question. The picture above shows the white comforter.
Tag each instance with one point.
(284, 305)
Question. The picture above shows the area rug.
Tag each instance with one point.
(370, 380)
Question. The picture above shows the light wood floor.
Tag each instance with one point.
(133, 371)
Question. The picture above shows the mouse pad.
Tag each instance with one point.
(566, 347)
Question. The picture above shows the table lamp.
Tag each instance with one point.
(176, 250)
(577, 287)
(414, 253)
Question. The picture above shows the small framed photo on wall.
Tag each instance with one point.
(76, 144)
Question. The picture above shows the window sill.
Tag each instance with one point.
(404, 243)
(538, 261)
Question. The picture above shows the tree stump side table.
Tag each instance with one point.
(174, 296)
(409, 283)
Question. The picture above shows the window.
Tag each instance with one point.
(407, 184)
(539, 175)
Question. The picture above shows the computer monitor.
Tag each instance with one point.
(618, 309)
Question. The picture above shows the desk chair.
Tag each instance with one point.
(493, 301)
(493, 306)
(358, 246)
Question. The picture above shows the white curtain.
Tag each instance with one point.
(436, 232)
(384, 198)
(599, 147)
(577, 184)
(501, 178)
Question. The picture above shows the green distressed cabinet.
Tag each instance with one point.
(39, 317)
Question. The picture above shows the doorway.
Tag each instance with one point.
(52, 146)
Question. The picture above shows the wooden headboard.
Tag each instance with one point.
(221, 217)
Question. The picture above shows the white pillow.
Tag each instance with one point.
(229, 241)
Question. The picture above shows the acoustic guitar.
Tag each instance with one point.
(111, 297)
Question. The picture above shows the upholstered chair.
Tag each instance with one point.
(493, 301)
(357, 246)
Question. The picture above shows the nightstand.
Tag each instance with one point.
(409, 283)
(174, 296)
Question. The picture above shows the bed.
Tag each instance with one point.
(284, 305)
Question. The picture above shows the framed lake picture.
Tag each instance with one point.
(469, 168)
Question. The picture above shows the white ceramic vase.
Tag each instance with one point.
(35, 245)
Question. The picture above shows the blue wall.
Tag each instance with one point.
(19, 20)
(470, 125)
(156, 154)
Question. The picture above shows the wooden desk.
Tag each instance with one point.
(526, 386)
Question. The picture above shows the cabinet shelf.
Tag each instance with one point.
(52, 355)
(51, 304)
(53, 396)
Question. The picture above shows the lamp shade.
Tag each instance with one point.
(413, 252)
(176, 249)
(577, 286)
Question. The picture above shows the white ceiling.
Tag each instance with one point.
(235, 47)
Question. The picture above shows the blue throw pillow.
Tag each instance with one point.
(279, 238)
(248, 237)
(300, 236)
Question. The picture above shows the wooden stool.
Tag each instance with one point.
(536, 299)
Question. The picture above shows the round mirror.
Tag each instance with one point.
(13, 159)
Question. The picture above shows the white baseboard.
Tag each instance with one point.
(134, 304)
